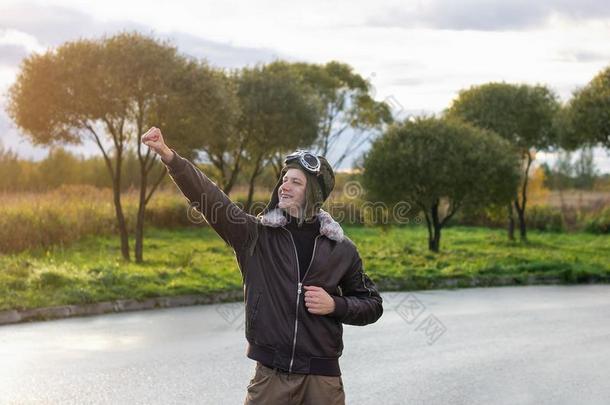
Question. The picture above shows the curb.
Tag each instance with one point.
(413, 284)
(66, 311)
(124, 305)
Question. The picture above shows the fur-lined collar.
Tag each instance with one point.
(328, 226)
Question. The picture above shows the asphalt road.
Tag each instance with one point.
(507, 345)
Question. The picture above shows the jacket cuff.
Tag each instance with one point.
(340, 307)
(175, 164)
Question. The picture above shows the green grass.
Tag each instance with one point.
(190, 261)
(196, 261)
(399, 259)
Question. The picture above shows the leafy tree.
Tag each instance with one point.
(586, 118)
(522, 114)
(345, 102)
(108, 90)
(434, 163)
(208, 101)
(275, 118)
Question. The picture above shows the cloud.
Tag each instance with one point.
(410, 81)
(221, 54)
(582, 56)
(484, 15)
(54, 25)
(30, 27)
(11, 55)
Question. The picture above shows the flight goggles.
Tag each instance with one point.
(307, 160)
(310, 163)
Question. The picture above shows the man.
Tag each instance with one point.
(302, 277)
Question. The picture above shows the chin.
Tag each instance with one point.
(285, 206)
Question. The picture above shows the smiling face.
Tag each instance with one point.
(291, 192)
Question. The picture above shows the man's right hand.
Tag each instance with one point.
(154, 140)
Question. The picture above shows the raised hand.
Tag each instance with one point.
(153, 138)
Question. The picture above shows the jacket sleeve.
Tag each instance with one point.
(236, 227)
(360, 303)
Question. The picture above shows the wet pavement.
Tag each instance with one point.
(505, 345)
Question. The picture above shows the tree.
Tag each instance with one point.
(110, 89)
(586, 118)
(275, 118)
(59, 167)
(585, 170)
(522, 114)
(345, 102)
(440, 165)
(10, 170)
(208, 123)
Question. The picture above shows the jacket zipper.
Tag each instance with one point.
(299, 290)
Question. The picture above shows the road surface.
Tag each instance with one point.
(505, 345)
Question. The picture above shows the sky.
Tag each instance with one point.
(416, 54)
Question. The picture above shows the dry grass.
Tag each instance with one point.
(69, 213)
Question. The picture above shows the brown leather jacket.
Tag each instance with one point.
(281, 332)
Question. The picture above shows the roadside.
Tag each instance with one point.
(193, 266)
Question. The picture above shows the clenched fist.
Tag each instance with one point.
(153, 138)
(318, 301)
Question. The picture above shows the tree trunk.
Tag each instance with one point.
(228, 171)
(228, 185)
(520, 206)
(139, 248)
(434, 242)
(522, 226)
(115, 175)
(255, 173)
(122, 224)
(511, 222)
(434, 231)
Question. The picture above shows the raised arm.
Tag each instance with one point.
(236, 227)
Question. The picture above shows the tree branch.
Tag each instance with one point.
(154, 187)
(99, 144)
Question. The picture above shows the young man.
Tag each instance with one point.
(302, 277)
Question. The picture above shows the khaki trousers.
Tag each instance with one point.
(275, 387)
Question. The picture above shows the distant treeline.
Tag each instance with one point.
(62, 167)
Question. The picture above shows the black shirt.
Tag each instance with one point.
(304, 237)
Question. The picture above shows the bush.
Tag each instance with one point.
(544, 218)
(538, 217)
(52, 279)
(598, 223)
(489, 217)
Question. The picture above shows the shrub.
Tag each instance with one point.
(598, 223)
(544, 218)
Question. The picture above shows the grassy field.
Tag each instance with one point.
(69, 213)
(196, 261)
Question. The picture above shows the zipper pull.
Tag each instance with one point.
(299, 289)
